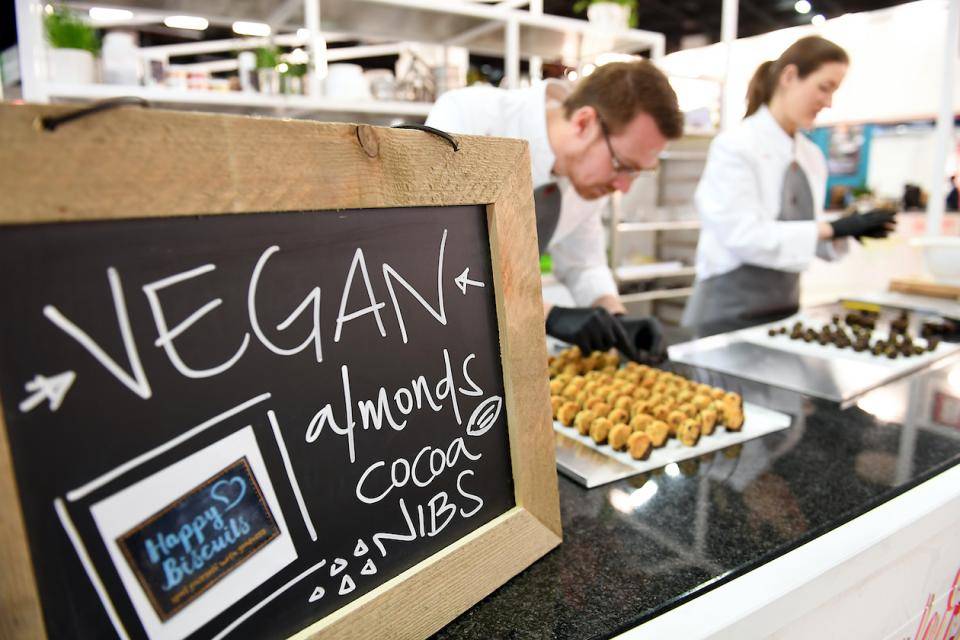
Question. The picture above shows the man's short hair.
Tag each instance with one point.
(621, 90)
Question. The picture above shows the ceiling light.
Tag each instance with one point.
(802, 6)
(186, 22)
(817, 20)
(251, 28)
(103, 14)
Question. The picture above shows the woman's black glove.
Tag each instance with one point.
(873, 224)
(590, 328)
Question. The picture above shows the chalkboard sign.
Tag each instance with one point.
(324, 412)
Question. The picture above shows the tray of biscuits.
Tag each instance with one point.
(615, 420)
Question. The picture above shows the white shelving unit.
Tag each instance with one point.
(674, 184)
(656, 294)
(237, 100)
(622, 276)
(667, 225)
(513, 29)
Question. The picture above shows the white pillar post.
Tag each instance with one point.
(944, 131)
(32, 49)
(512, 57)
(316, 46)
(728, 32)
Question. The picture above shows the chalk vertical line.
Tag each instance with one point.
(88, 567)
(293, 479)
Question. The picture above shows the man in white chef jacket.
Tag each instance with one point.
(586, 141)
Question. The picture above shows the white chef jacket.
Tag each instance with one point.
(739, 201)
(578, 245)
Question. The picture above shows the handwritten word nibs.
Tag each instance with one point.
(361, 549)
(317, 594)
(43, 388)
(346, 585)
(369, 568)
(484, 416)
(463, 281)
(338, 565)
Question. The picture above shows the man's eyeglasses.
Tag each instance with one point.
(619, 166)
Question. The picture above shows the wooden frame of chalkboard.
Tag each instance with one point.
(136, 164)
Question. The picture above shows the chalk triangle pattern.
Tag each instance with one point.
(338, 565)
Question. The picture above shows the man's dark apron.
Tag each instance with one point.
(546, 203)
(749, 291)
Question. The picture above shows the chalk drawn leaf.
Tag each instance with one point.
(484, 416)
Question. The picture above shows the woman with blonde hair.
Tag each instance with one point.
(760, 198)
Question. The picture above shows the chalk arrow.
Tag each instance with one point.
(43, 388)
(463, 281)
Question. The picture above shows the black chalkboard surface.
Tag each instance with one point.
(332, 377)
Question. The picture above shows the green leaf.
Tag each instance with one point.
(66, 30)
(580, 6)
(267, 57)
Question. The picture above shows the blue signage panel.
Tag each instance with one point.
(183, 550)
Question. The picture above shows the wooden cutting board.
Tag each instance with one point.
(925, 288)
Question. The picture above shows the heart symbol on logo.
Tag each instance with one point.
(216, 495)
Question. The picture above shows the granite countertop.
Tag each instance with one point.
(636, 548)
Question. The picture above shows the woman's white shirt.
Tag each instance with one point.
(739, 201)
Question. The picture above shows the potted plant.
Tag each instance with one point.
(609, 15)
(292, 77)
(73, 45)
(268, 78)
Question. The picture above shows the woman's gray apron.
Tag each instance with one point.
(750, 291)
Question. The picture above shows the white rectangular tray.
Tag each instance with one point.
(824, 371)
(592, 465)
(897, 367)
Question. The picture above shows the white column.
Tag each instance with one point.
(536, 62)
(945, 142)
(32, 50)
(511, 59)
(316, 46)
(728, 33)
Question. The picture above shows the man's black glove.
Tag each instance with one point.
(590, 328)
(646, 337)
(873, 224)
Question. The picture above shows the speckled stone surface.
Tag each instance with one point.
(636, 548)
